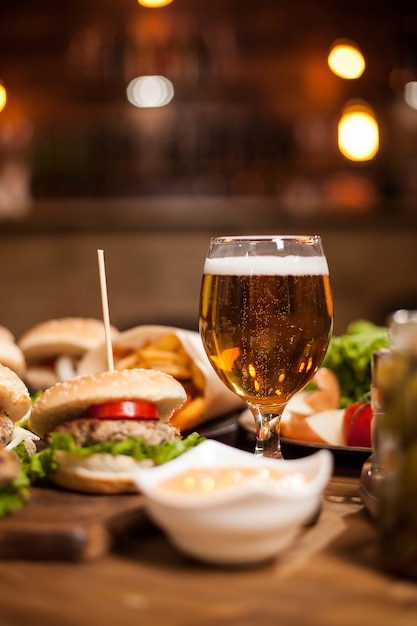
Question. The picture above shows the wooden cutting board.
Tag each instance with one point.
(62, 525)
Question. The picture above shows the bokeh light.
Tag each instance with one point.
(154, 4)
(410, 94)
(346, 60)
(358, 133)
(150, 91)
(3, 97)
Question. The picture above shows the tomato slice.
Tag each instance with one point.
(124, 409)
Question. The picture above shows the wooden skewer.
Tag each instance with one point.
(105, 306)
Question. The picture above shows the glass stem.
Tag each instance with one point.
(267, 422)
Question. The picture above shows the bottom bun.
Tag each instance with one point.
(40, 378)
(97, 473)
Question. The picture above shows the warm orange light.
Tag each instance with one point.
(346, 60)
(3, 97)
(358, 133)
(154, 4)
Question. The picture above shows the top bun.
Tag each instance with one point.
(14, 395)
(10, 354)
(69, 400)
(69, 335)
(6, 335)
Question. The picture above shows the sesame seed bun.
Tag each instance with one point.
(69, 400)
(11, 356)
(14, 395)
(70, 335)
(6, 335)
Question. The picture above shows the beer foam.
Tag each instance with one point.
(291, 265)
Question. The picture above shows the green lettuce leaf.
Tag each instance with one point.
(349, 356)
(11, 499)
(16, 494)
(43, 463)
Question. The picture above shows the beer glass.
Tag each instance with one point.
(266, 317)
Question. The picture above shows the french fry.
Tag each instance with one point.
(127, 362)
(189, 415)
(198, 377)
(168, 342)
(167, 354)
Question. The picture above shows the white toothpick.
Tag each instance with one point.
(105, 305)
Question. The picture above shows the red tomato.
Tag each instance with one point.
(125, 409)
(356, 425)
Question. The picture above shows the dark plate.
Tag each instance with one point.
(224, 428)
(311, 444)
(344, 456)
(230, 429)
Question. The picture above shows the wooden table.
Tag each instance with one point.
(328, 576)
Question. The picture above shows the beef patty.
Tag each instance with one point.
(88, 431)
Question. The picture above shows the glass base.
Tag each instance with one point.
(268, 443)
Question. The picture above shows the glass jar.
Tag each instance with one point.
(396, 437)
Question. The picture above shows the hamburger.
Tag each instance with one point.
(16, 443)
(99, 428)
(15, 407)
(53, 348)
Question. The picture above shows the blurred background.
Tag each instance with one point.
(146, 130)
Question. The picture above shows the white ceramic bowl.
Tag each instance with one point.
(245, 522)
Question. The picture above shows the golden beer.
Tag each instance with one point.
(265, 323)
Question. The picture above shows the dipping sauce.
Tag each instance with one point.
(209, 480)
